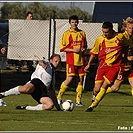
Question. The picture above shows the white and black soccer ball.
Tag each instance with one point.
(68, 105)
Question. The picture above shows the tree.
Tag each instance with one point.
(40, 11)
(12, 11)
(66, 13)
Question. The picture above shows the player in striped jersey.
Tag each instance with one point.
(126, 70)
(108, 47)
(74, 43)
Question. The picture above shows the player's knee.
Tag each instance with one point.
(25, 89)
(96, 90)
(68, 80)
(51, 106)
(48, 106)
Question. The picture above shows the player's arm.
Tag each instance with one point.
(42, 63)
(54, 99)
(76, 50)
(92, 56)
(65, 45)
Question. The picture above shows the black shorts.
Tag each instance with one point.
(40, 90)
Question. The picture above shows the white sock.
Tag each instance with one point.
(38, 107)
(13, 91)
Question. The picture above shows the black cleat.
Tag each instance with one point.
(90, 109)
(21, 107)
(1, 95)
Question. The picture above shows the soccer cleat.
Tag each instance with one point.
(21, 107)
(2, 103)
(1, 95)
(79, 104)
(60, 102)
(90, 109)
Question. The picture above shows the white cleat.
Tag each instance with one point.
(2, 103)
(60, 102)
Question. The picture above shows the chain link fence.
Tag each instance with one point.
(35, 39)
(31, 40)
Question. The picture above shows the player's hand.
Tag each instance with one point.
(43, 64)
(130, 58)
(77, 50)
(82, 49)
(3, 50)
(86, 68)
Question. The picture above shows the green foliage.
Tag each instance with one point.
(13, 11)
(114, 110)
(40, 11)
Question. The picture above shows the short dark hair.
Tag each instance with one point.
(74, 17)
(28, 13)
(54, 55)
(107, 25)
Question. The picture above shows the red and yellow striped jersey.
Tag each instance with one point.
(109, 51)
(73, 39)
(127, 50)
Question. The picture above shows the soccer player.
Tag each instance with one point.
(3, 50)
(40, 86)
(108, 47)
(74, 43)
(126, 69)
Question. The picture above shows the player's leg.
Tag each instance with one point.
(100, 95)
(117, 83)
(63, 88)
(98, 81)
(27, 88)
(45, 104)
(130, 79)
(40, 94)
(79, 91)
(131, 84)
(81, 73)
(96, 89)
(109, 77)
(115, 86)
(70, 72)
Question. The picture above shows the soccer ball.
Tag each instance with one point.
(68, 105)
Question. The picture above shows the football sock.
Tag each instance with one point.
(13, 91)
(132, 92)
(79, 90)
(99, 97)
(109, 90)
(62, 90)
(38, 107)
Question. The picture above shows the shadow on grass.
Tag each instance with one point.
(122, 93)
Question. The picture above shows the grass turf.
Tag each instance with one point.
(114, 113)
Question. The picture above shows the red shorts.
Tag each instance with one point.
(75, 70)
(124, 74)
(107, 73)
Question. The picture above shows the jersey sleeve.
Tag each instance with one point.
(97, 46)
(64, 41)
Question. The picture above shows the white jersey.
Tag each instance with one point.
(45, 75)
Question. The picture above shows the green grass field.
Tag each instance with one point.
(114, 113)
